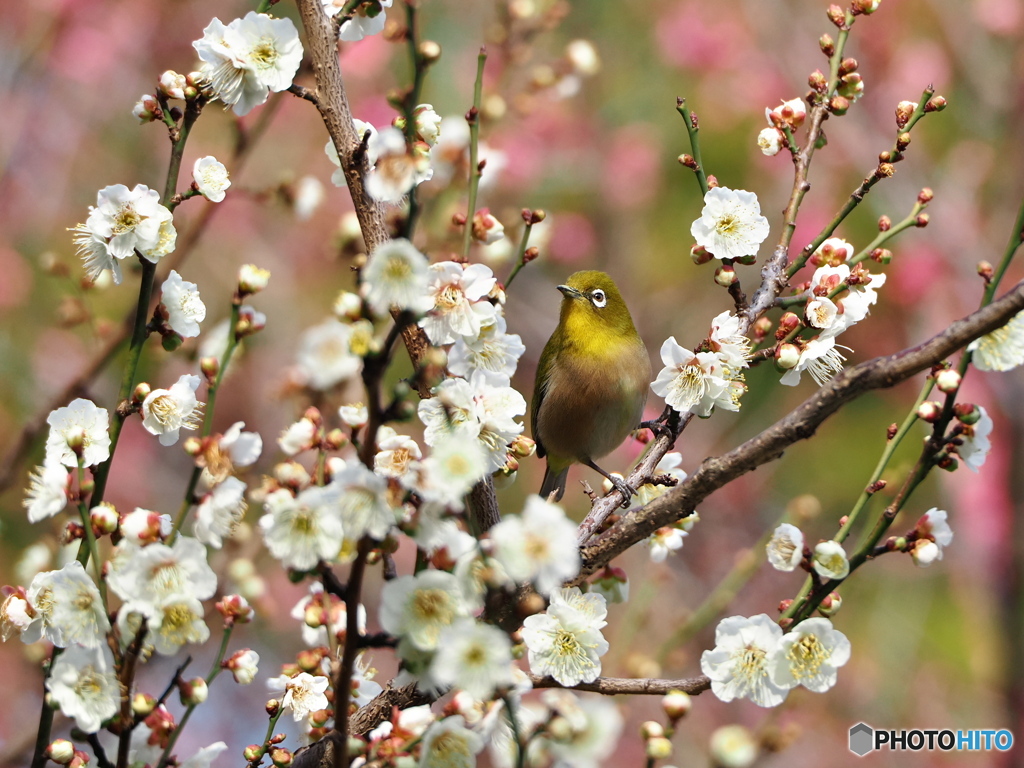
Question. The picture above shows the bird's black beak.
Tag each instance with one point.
(570, 293)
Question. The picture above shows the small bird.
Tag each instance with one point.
(592, 381)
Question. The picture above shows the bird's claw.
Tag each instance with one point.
(625, 489)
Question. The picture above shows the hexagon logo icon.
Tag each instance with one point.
(862, 739)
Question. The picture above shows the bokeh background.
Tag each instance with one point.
(597, 149)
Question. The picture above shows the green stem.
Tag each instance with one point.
(513, 723)
(91, 549)
(521, 254)
(215, 670)
(473, 117)
(693, 130)
(412, 100)
(39, 759)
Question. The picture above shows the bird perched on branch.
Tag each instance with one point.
(591, 382)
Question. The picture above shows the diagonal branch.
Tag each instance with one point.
(879, 373)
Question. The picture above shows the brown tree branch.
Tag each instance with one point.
(879, 373)
(610, 686)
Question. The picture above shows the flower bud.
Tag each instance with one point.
(929, 411)
(658, 748)
(904, 111)
(172, 85)
(787, 356)
(61, 751)
(193, 692)
(651, 730)
(235, 609)
(885, 170)
(865, 7)
(280, 757)
(881, 255)
(486, 228)
(142, 704)
(104, 518)
(522, 447)
(836, 16)
(818, 81)
(762, 327)
(827, 45)
(699, 254)
(733, 745)
(851, 86)
(712, 181)
(935, 104)
(839, 105)
(429, 51)
(770, 141)
(725, 275)
(986, 270)
(967, 413)
(925, 552)
(272, 707)
(831, 604)
(147, 109)
(688, 161)
(947, 381)
(676, 704)
(252, 279)
(922, 220)
(903, 141)
(788, 323)
(253, 753)
(785, 604)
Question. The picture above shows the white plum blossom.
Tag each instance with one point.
(451, 412)
(354, 415)
(16, 615)
(244, 448)
(809, 655)
(243, 665)
(185, 310)
(538, 546)
(449, 743)
(975, 443)
(451, 470)
(66, 609)
(1001, 350)
(460, 306)
(934, 535)
(315, 617)
(204, 757)
(770, 141)
(144, 526)
(373, 147)
(820, 357)
(167, 411)
(494, 353)
(419, 608)
(82, 424)
(304, 693)
(307, 196)
(47, 493)
(725, 339)
(124, 221)
(733, 746)
(834, 250)
(362, 502)
(792, 112)
(821, 313)
(174, 622)
(149, 575)
(83, 683)
(731, 225)
(220, 512)
(428, 124)
(297, 437)
(368, 20)
(211, 178)
(324, 356)
(364, 688)
(786, 548)
(302, 530)
(397, 169)
(449, 157)
(246, 59)
(829, 560)
(474, 657)
(396, 275)
(565, 641)
(395, 454)
(739, 663)
(696, 382)
(664, 542)
(594, 725)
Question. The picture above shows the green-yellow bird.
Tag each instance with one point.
(592, 381)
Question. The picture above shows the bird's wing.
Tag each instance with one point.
(540, 389)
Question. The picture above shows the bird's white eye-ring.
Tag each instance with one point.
(598, 299)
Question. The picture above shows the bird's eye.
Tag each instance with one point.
(598, 299)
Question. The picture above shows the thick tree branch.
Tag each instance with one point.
(767, 446)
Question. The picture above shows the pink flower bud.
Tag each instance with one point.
(699, 254)
(725, 275)
(61, 751)
(947, 381)
(193, 692)
(831, 604)
(929, 411)
(676, 704)
(235, 609)
(787, 356)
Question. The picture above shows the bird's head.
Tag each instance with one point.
(592, 304)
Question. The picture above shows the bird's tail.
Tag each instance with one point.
(554, 480)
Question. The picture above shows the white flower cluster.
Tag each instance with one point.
(837, 298)
(124, 222)
(697, 382)
(245, 60)
(753, 659)
(394, 166)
